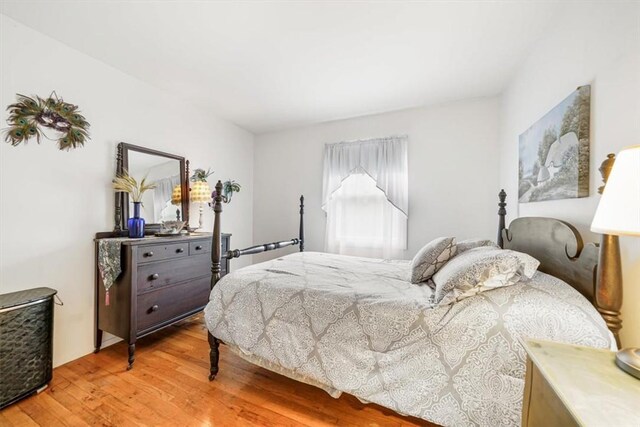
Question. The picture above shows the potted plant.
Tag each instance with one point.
(125, 183)
(200, 175)
(228, 188)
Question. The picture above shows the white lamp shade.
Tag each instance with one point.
(200, 192)
(619, 209)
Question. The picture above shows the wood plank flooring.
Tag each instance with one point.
(168, 386)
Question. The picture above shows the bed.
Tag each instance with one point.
(355, 325)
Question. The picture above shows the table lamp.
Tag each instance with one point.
(176, 199)
(618, 214)
(200, 193)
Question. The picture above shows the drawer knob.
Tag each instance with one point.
(149, 254)
(179, 250)
(198, 248)
(155, 307)
(154, 276)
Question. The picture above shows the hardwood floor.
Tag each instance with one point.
(168, 386)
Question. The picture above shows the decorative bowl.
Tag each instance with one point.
(172, 227)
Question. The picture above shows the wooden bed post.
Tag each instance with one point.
(608, 293)
(301, 233)
(502, 212)
(216, 243)
(216, 255)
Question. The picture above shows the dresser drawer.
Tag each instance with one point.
(159, 274)
(205, 246)
(160, 252)
(201, 247)
(168, 303)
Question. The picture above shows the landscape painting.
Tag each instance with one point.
(554, 152)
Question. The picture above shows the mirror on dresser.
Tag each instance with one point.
(168, 201)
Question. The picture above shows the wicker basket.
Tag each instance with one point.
(26, 332)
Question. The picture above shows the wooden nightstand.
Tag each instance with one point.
(570, 385)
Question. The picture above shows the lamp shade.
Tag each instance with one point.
(176, 195)
(619, 210)
(200, 192)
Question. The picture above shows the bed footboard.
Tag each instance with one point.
(217, 255)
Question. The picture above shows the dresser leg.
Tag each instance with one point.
(132, 358)
(98, 340)
(214, 356)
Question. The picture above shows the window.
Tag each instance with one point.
(369, 182)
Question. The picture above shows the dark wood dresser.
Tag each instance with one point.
(163, 281)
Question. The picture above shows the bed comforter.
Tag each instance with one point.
(356, 325)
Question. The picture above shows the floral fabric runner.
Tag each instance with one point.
(109, 260)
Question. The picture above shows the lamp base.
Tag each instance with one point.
(628, 360)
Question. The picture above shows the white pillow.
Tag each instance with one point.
(431, 258)
(465, 245)
(478, 270)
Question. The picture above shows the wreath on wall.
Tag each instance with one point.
(30, 116)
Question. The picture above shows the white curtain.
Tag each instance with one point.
(162, 195)
(365, 196)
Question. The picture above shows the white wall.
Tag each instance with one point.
(597, 45)
(453, 173)
(52, 202)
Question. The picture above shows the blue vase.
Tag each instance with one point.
(136, 224)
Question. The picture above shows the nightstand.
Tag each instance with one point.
(570, 385)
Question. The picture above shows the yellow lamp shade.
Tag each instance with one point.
(176, 195)
(618, 212)
(200, 192)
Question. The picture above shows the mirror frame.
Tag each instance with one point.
(122, 199)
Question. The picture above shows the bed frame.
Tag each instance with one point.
(592, 269)
(217, 255)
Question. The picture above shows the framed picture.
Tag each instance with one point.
(554, 152)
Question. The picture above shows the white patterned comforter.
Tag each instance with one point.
(355, 325)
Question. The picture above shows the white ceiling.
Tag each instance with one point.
(271, 65)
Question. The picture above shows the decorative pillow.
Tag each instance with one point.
(431, 257)
(465, 245)
(478, 270)
(529, 264)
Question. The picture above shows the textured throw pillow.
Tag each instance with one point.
(478, 270)
(465, 245)
(529, 264)
(431, 257)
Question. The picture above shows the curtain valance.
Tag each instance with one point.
(162, 194)
(384, 159)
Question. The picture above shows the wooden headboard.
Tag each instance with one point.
(559, 248)
(592, 269)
